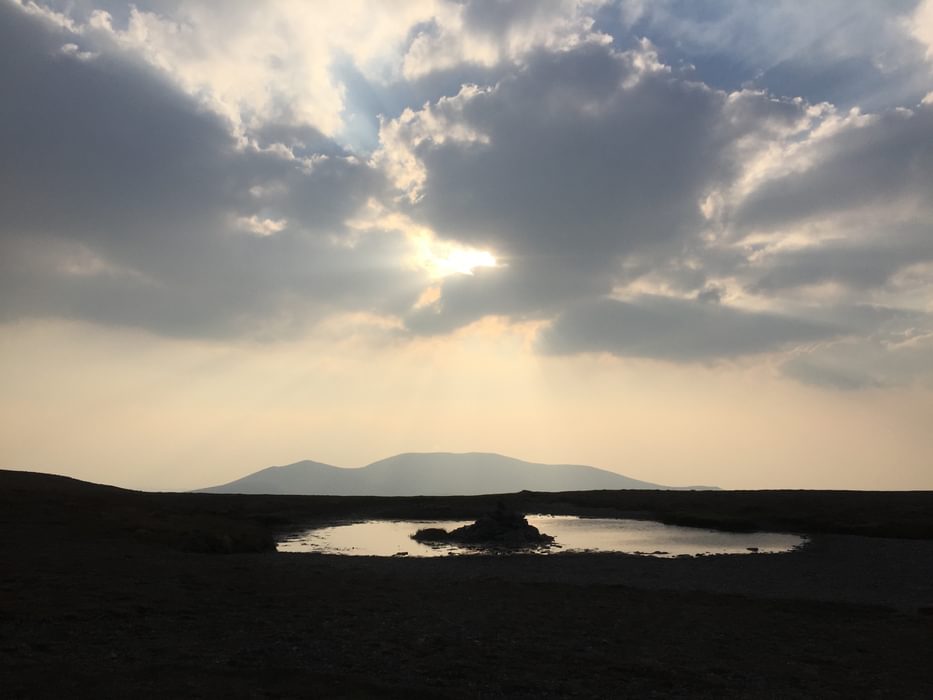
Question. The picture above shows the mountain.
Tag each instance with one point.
(430, 474)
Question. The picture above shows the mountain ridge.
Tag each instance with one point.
(432, 474)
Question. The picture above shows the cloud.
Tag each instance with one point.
(861, 165)
(253, 64)
(239, 172)
(854, 212)
(891, 356)
(492, 32)
(859, 267)
(920, 25)
(123, 203)
(565, 170)
(591, 172)
(679, 330)
(288, 62)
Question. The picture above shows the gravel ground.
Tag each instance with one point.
(96, 601)
(831, 568)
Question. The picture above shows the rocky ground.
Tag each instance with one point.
(107, 593)
(499, 529)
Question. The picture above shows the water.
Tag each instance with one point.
(386, 538)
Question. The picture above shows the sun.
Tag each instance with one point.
(443, 258)
(464, 261)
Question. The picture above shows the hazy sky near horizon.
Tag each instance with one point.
(691, 242)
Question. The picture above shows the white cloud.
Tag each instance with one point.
(261, 226)
(75, 51)
(256, 63)
(276, 61)
(435, 124)
(57, 19)
(921, 25)
(490, 33)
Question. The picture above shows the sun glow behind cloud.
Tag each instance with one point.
(440, 258)
(461, 261)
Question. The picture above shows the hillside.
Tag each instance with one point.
(430, 474)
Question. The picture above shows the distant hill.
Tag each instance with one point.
(431, 474)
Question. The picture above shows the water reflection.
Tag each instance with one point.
(380, 538)
(393, 538)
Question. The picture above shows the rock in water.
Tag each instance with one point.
(500, 528)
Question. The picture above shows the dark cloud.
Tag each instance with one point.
(829, 375)
(896, 352)
(303, 141)
(94, 147)
(522, 292)
(675, 329)
(584, 160)
(496, 18)
(575, 164)
(890, 158)
(856, 266)
(869, 187)
(123, 202)
(710, 294)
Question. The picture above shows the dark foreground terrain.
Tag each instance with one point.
(110, 593)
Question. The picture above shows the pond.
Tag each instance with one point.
(387, 538)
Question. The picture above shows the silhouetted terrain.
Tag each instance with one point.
(431, 474)
(113, 593)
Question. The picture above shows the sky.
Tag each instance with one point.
(690, 242)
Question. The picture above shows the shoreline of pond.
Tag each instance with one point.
(574, 535)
